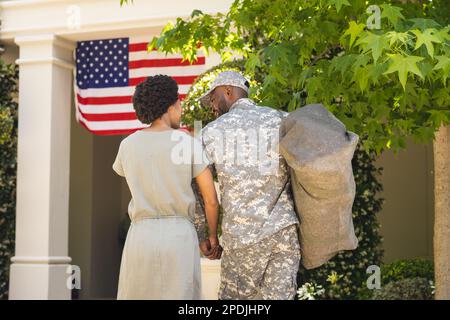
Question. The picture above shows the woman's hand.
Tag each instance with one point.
(211, 248)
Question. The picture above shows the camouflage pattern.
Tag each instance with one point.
(255, 192)
(267, 270)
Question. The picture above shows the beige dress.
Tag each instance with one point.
(161, 258)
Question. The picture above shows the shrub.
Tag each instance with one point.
(406, 289)
(408, 268)
(8, 152)
(400, 270)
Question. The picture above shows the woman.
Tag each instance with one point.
(161, 257)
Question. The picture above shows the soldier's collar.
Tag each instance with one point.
(242, 102)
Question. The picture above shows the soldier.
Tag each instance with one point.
(259, 231)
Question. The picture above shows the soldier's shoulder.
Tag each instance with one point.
(272, 111)
(212, 125)
(221, 122)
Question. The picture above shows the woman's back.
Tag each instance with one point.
(159, 167)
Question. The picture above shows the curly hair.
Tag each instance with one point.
(154, 96)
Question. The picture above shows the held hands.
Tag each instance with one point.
(211, 248)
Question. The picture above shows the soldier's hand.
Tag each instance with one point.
(216, 249)
(214, 241)
(218, 252)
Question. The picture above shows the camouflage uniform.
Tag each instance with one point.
(267, 270)
(260, 251)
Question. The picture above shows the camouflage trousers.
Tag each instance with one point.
(265, 270)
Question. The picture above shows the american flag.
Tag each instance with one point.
(107, 72)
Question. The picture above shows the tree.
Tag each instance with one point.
(385, 82)
(442, 212)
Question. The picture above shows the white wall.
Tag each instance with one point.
(407, 217)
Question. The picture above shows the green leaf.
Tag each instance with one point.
(422, 24)
(403, 65)
(393, 14)
(338, 4)
(361, 76)
(373, 43)
(252, 62)
(375, 72)
(441, 97)
(354, 30)
(444, 65)
(426, 38)
(437, 117)
(394, 37)
(196, 13)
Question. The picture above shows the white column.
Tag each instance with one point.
(38, 269)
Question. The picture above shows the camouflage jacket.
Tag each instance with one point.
(253, 178)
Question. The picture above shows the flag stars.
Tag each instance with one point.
(102, 63)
